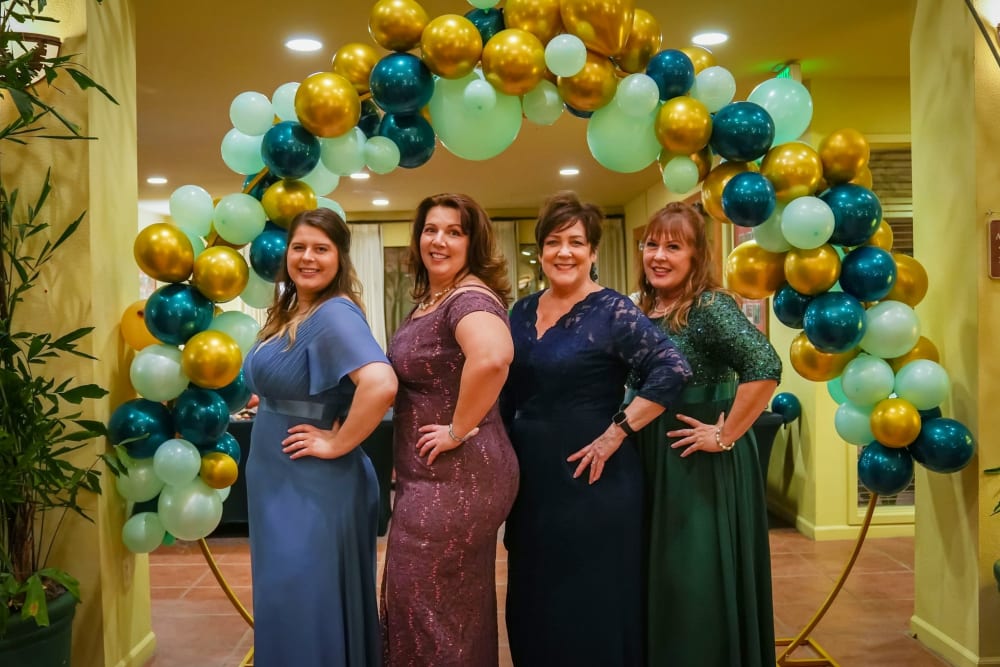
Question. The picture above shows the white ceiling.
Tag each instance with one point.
(195, 56)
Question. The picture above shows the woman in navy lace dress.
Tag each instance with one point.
(574, 534)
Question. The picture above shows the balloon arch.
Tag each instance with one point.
(820, 246)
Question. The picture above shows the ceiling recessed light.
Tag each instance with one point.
(526, 253)
(532, 261)
(569, 171)
(156, 180)
(710, 38)
(304, 44)
(380, 202)
(360, 176)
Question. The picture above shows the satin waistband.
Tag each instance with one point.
(709, 392)
(321, 412)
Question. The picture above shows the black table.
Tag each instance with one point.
(378, 447)
(764, 430)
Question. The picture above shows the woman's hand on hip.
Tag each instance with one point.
(700, 437)
(597, 453)
(307, 440)
(436, 440)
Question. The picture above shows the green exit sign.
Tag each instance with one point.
(784, 73)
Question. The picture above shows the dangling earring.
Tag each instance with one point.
(593, 272)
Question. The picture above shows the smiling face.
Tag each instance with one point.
(667, 260)
(444, 246)
(312, 262)
(566, 257)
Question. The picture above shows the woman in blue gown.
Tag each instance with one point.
(574, 534)
(324, 385)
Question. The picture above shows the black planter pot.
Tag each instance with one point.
(26, 644)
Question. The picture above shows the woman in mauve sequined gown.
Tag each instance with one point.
(574, 536)
(456, 474)
(709, 579)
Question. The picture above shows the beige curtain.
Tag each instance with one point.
(506, 231)
(366, 253)
(611, 256)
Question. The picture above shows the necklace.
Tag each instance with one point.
(661, 309)
(434, 298)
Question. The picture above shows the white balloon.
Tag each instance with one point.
(714, 87)
(251, 113)
(283, 100)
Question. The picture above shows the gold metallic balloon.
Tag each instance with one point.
(794, 170)
(683, 125)
(812, 271)
(603, 25)
(815, 365)
(164, 252)
(911, 281)
(219, 470)
(700, 57)
(642, 44)
(882, 237)
(211, 359)
(514, 61)
(539, 17)
(327, 104)
(864, 178)
(715, 182)
(844, 153)
(397, 24)
(354, 61)
(213, 240)
(924, 349)
(895, 422)
(285, 199)
(753, 272)
(220, 274)
(134, 329)
(593, 87)
(451, 46)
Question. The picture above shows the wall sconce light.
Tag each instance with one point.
(42, 47)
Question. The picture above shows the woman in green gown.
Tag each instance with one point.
(709, 569)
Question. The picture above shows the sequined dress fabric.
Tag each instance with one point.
(439, 595)
(708, 588)
(574, 548)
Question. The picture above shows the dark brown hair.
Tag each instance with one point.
(484, 259)
(564, 209)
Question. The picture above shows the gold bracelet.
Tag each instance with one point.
(451, 434)
(723, 446)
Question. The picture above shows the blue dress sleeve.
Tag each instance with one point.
(342, 343)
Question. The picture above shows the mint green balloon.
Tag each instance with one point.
(139, 483)
(251, 113)
(241, 152)
(680, 174)
(325, 202)
(853, 423)
(543, 105)
(866, 380)
(479, 96)
(892, 329)
(768, 234)
(224, 493)
(283, 101)
(143, 532)
(197, 243)
(189, 511)
(177, 461)
(836, 391)
(321, 180)
(714, 87)
(788, 103)
(156, 373)
(807, 222)
(924, 383)
(637, 95)
(484, 4)
(239, 326)
(258, 293)
(565, 55)
(191, 208)
(473, 134)
(343, 155)
(381, 154)
(239, 218)
(622, 142)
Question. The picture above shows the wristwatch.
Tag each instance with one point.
(621, 420)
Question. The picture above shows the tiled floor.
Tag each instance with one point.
(196, 626)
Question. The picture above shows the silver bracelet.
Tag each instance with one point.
(718, 440)
(451, 434)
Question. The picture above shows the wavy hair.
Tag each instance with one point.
(564, 209)
(484, 260)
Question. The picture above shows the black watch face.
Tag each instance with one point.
(620, 418)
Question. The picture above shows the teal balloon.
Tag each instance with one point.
(381, 155)
(788, 103)
(543, 105)
(236, 394)
(226, 444)
(344, 155)
(258, 293)
(857, 213)
(885, 470)
(787, 405)
(748, 199)
(866, 380)
(836, 390)
(146, 423)
(680, 174)
(239, 326)
(487, 21)
(139, 482)
(834, 322)
(239, 218)
(191, 209)
(944, 445)
(853, 423)
(251, 113)
(565, 55)
(412, 134)
(156, 373)
(714, 87)
(892, 330)
(673, 72)
(621, 142)
(263, 183)
(200, 415)
(289, 150)
(267, 253)
(143, 532)
(473, 134)
(190, 511)
(177, 311)
(401, 84)
(868, 273)
(177, 461)
(924, 383)
(807, 222)
(790, 306)
(742, 132)
(371, 116)
(241, 152)
(768, 234)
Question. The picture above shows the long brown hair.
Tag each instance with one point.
(282, 316)
(484, 260)
(678, 220)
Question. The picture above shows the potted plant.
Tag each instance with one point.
(40, 420)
